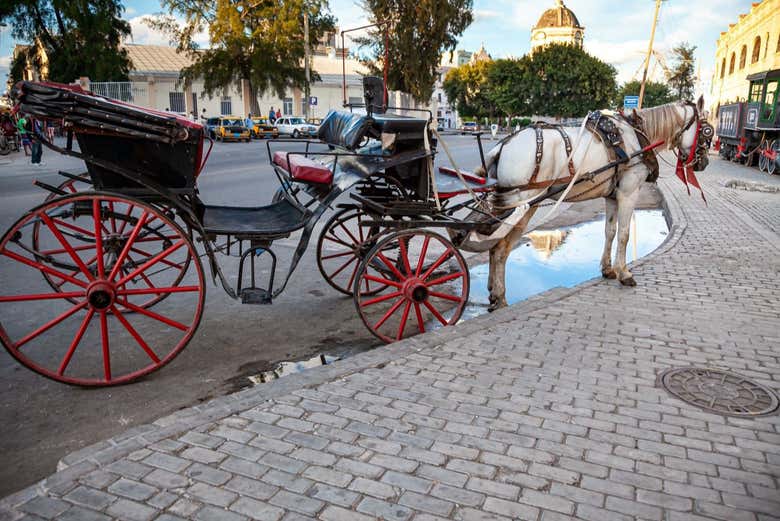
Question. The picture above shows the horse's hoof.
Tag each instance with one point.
(628, 282)
(609, 274)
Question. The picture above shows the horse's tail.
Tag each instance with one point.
(491, 162)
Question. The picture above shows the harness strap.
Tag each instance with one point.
(539, 151)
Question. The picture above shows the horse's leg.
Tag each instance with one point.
(610, 227)
(626, 202)
(498, 256)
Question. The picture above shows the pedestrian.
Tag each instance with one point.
(278, 113)
(24, 135)
(50, 130)
(248, 121)
(272, 116)
(35, 140)
(193, 116)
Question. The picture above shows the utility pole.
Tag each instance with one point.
(649, 53)
(306, 89)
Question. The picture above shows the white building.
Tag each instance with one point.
(557, 25)
(446, 115)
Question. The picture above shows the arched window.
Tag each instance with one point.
(756, 50)
(723, 69)
(731, 65)
(743, 57)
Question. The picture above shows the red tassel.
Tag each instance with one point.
(691, 177)
(680, 171)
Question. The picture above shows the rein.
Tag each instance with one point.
(684, 169)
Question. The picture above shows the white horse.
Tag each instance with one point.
(513, 163)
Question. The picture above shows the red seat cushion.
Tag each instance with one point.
(303, 169)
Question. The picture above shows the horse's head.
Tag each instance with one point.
(693, 140)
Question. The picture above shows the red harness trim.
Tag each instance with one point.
(685, 172)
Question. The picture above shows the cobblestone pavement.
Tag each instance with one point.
(544, 411)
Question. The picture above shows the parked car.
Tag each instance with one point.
(232, 128)
(470, 127)
(261, 128)
(211, 127)
(295, 126)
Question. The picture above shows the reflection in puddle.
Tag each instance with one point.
(564, 257)
(288, 368)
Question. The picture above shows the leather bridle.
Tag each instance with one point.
(696, 158)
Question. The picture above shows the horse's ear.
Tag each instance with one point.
(700, 103)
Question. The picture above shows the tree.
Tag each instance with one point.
(260, 41)
(655, 93)
(565, 81)
(509, 81)
(419, 31)
(468, 89)
(73, 37)
(682, 75)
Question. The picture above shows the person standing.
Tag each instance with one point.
(272, 116)
(278, 113)
(24, 136)
(37, 147)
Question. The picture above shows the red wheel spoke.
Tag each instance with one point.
(352, 277)
(104, 342)
(423, 252)
(50, 324)
(158, 291)
(150, 262)
(326, 257)
(388, 314)
(390, 265)
(66, 245)
(135, 335)
(386, 282)
(383, 298)
(42, 296)
(341, 268)
(354, 239)
(112, 218)
(436, 264)
(126, 219)
(335, 239)
(42, 267)
(445, 296)
(75, 343)
(152, 314)
(73, 227)
(405, 256)
(128, 245)
(404, 318)
(420, 323)
(96, 209)
(63, 250)
(164, 261)
(142, 274)
(157, 238)
(72, 187)
(446, 278)
(435, 313)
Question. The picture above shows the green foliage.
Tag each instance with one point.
(419, 32)
(78, 37)
(509, 85)
(682, 75)
(259, 41)
(655, 93)
(468, 89)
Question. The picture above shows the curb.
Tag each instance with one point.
(87, 459)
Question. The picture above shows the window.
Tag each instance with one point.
(304, 105)
(723, 68)
(288, 106)
(756, 89)
(731, 65)
(756, 50)
(770, 101)
(195, 103)
(176, 101)
(743, 57)
(225, 105)
(438, 95)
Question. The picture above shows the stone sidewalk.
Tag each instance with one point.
(544, 411)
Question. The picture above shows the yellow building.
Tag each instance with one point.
(557, 25)
(749, 46)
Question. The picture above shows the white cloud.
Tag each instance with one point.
(142, 34)
(130, 11)
(5, 61)
(485, 14)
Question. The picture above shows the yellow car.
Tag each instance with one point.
(232, 128)
(261, 128)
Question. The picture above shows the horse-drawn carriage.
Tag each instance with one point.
(109, 266)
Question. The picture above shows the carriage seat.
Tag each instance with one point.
(303, 169)
(344, 129)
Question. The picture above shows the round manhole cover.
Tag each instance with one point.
(719, 391)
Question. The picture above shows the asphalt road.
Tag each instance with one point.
(41, 420)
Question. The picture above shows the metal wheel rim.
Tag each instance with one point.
(100, 312)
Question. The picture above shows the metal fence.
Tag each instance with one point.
(128, 91)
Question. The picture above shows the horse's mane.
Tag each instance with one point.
(663, 122)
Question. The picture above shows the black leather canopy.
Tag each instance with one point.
(344, 129)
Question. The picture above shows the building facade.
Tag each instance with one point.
(557, 25)
(446, 115)
(750, 45)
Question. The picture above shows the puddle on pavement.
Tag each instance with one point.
(287, 368)
(564, 257)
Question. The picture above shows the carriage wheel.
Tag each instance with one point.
(94, 331)
(426, 285)
(342, 245)
(771, 165)
(118, 219)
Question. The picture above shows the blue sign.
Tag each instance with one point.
(631, 102)
(313, 100)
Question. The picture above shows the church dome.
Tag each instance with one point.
(558, 16)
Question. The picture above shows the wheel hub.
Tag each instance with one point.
(415, 290)
(101, 294)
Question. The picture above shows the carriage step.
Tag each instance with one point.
(255, 296)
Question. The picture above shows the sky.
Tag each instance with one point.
(616, 31)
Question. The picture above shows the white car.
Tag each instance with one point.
(295, 126)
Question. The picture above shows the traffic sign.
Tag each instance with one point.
(631, 102)
(313, 100)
